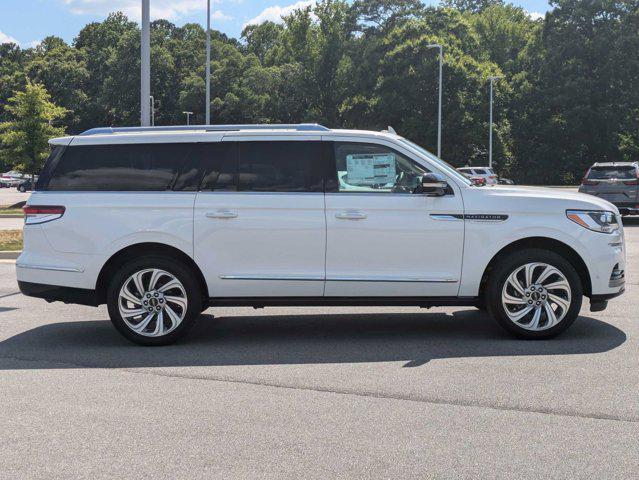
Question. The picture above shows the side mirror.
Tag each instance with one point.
(433, 185)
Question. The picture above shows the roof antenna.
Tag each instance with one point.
(391, 130)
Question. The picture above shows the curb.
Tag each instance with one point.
(9, 254)
(11, 215)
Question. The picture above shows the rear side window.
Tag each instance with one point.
(45, 175)
(284, 166)
(479, 171)
(609, 173)
(142, 167)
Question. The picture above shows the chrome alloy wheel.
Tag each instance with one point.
(536, 296)
(152, 302)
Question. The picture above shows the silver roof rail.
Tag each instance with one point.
(300, 127)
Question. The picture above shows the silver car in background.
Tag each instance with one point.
(617, 182)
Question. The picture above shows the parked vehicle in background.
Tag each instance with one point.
(11, 179)
(486, 173)
(478, 181)
(26, 185)
(160, 223)
(505, 181)
(616, 182)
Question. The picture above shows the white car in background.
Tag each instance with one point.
(11, 179)
(162, 223)
(486, 173)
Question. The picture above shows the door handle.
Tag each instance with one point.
(222, 214)
(351, 215)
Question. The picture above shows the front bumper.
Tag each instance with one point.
(599, 303)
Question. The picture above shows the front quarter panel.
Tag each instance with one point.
(531, 216)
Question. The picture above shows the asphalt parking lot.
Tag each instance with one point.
(319, 393)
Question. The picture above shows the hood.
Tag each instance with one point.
(568, 198)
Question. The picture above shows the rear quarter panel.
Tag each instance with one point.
(96, 225)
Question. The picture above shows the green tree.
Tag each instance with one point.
(62, 70)
(24, 138)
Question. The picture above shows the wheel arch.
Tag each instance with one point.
(545, 243)
(140, 249)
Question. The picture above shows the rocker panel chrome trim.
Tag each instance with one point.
(53, 268)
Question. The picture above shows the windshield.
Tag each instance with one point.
(609, 173)
(445, 166)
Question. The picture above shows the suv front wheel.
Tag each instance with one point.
(534, 293)
(154, 300)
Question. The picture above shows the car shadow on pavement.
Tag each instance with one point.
(413, 338)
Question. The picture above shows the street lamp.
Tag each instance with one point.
(188, 117)
(208, 62)
(490, 121)
(145, 63)
(152, 103)
(439, 114)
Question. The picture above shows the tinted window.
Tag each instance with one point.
(281, 166)
(370, 168)
(49, 166)
(479, 171)
(608, 173)
(220, 165)
(144, 167)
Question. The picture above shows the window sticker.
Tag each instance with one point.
(371, 169)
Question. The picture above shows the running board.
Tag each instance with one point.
(424, 302)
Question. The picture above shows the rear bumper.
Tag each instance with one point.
(628, 210)
(55, 293)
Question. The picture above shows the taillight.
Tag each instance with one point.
(35, 214)
(590, 183)
(635, 181)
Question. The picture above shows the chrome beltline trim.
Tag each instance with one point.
(340, 279)
(49, 267)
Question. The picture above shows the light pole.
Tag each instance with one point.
(145, 63)
(490, 121)
(439, 113)
(188, 117)
(208, 62)
(152, 102)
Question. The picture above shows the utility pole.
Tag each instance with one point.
(439, 113)
(490, 122)
(145, 62)
(208, 62)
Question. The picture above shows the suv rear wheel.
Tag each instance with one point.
(154, 300)
(534, 293)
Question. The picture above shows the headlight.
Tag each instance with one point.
(596, 220)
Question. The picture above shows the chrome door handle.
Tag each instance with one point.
(222, 214)
(351, 215)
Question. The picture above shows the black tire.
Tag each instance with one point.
(22, 189)
(511, 263)
(176, 268)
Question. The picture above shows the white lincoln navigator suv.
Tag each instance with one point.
(162, 223)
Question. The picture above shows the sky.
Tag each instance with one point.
(27, 22)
